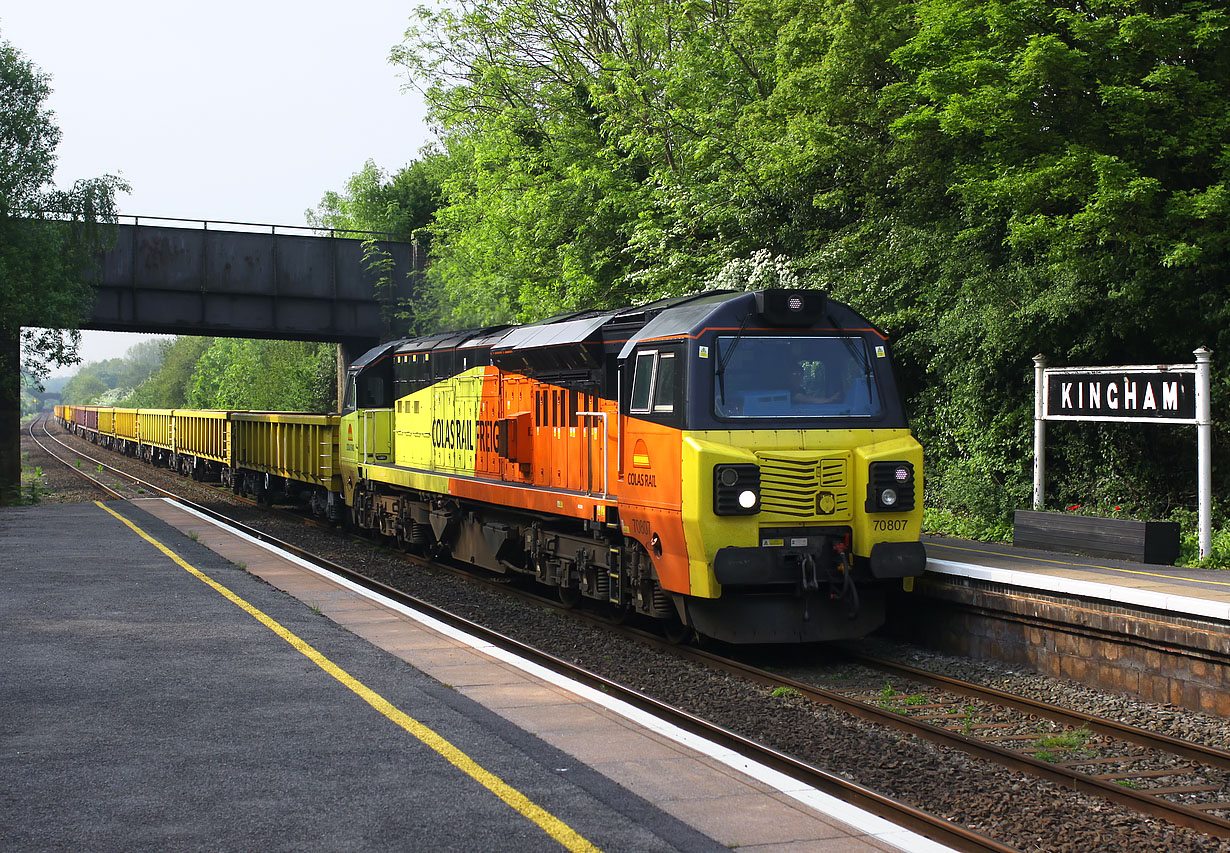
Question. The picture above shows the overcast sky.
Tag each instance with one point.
(239, 111)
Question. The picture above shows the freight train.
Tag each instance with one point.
(734, 464)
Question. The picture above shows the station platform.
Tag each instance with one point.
(172, 685)
(1201, 593)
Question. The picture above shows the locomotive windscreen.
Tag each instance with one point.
(795, 377)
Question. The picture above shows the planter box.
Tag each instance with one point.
(1154, 542)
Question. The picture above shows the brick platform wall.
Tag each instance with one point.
(1157, 656)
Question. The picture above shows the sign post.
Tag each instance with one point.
(1165, 393)
(1204, 450)
(1039, 432)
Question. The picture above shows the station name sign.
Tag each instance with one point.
(1162, 394)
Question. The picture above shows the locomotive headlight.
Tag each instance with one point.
(736, 489)
(890, 487)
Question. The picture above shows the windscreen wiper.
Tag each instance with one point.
(859, 353)
(724, 360)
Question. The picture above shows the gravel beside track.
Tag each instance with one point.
(1012, 808)
(58, 484)
(1172, 720)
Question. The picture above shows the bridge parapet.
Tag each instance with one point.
(244, 280)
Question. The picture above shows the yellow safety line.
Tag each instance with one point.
(548, 822)
(1077, 565)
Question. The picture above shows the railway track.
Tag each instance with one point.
(1098, 755)
(1084, 752)
(110, 481)
(1106, 759)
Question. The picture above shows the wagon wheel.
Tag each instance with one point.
(569, 596)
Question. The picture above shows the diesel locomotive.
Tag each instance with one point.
(734, 464)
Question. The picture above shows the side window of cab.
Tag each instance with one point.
(656, 384)
(349, 402)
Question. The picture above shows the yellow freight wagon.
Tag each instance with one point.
(155, 433)
(106, 421)
(126, 424)
(295, 454)
(203, 434)
(298, 447)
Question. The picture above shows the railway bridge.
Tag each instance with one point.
(232, 279)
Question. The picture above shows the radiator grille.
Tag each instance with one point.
(803, 485)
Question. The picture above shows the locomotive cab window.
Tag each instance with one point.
(795, 377)
(349, 404)
(654, 383)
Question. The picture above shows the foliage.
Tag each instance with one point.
(165, 387)
(47, 235)
(33, 489)
(986, 179)
(1063, 152)
(264, 376)
(105, 383)
(1189, 539)
(29, 401)
(400, 205)
(84, 389)
(212, 373)
(226, 373)
(945, 522)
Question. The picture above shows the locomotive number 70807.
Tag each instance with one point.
(889, 523)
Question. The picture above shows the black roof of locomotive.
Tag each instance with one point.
(617, 329)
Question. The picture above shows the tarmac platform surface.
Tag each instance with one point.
(143, 710)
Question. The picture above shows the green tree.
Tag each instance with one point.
(83, 389)
(987, 179)
(264, 375)
(400, 205)
(1073, 170)
(166, 387)
(47, 240)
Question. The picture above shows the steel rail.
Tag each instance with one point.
(902, 814)
(1140, 801)
(1113, 728)
(96, 482)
